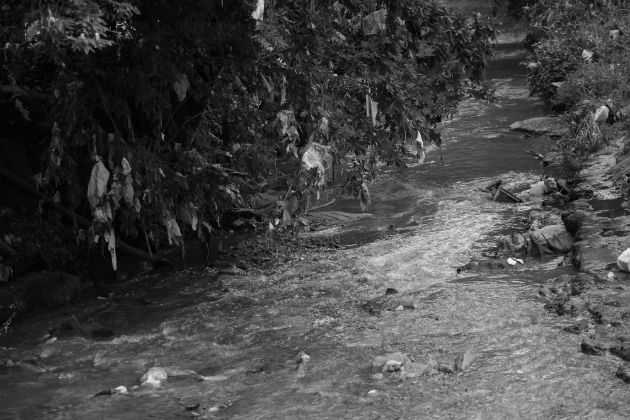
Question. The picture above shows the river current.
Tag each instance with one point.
(427, 221)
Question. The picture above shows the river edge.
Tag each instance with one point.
(307, 338)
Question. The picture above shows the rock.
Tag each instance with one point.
(516, 242)
(575, 306)
(379, 363)
(592, 347)
(551, 126)
(399, 308)
(622, 351)
(32, 365)
(552, 238)
(372, 392)
(392, 366)
(623, 261)
(154, 377)
(463, 361)
(391, 291)
(623, 373)
(574, 221)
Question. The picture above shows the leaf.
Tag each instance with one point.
(98, 183)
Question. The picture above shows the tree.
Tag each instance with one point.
(184, 105)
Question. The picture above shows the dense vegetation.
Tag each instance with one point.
(580, 61)
(171, 113)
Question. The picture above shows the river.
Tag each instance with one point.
(427, 221)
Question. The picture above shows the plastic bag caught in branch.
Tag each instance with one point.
(258, 13)
(110, 239)
(371, 108)
(97, 187)
(375, 22)
(318, 156)
(126, 166)
(364, 197)
(128, 192)
(172, 230)
(181, 86)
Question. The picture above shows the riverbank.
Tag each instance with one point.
(597, 300)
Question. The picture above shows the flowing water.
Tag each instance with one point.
(427, 221)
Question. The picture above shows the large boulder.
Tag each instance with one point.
(552, 238)
(551, 126)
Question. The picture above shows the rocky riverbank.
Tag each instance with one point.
(596, 301)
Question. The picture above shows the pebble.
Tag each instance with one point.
(372, 392)
(400, 308)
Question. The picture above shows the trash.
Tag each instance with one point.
(500, 194)
(623, 261)
(420, 146)
(302, 357)
(154, 377)
(259, 12)
(463, 361)
(601, 115)
(514, 261)
(375, 22)
(587, 55)
(504, 196)
(121, 390)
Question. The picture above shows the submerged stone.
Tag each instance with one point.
(551, 126)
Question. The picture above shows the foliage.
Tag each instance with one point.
(579, 61)
(200, 99)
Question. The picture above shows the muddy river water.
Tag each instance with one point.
(245, 341)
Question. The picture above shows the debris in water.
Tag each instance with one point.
(154, 377)
(514, 261)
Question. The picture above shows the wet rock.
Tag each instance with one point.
(592, 347)
(551, 126)
(553, 238)
(154, 377)
(621, 350)
(514, 243)
(623, 373)
(388, 361)
(574, 221)
(463, 361)
(575, 306)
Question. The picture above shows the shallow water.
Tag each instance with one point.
(525, 365)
